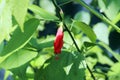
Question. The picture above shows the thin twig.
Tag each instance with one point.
(58, 9)
(61, 19)
(72, 38)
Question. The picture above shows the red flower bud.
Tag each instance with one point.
(58, 43)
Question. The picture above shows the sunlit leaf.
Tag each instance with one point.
(2, 5)
(67, 38)
(42, 13)
(19, 9)
(83, 17)
(114, 72)
(18, 58)
(91, 61)
(86, 29)
(44, 55)
(114, 54)
(111, 9)
(5, 20)
(102, 5)
(104, 59)
(101, 31)
(47, 5)
(19, 38)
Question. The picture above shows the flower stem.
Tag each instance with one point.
(72, 38)
(58, 9)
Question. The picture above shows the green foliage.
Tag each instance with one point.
(68, 66)
(101, 30)
(83, 17)
(114, 71)
(27, 34)
(19, 10)
(42, 13)
(18, 58)
(111, 9)
(19, 38)
(86, 29)
(116, 55)
(5, 20)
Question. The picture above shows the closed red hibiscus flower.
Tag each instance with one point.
(58, 43)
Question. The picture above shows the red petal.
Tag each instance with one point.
(58, 43)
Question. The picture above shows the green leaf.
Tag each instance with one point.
(67, 39)
(42, 13)
(18, 58)
(86, 29)
(19, 9)
(115, 55)
(102, 5)
(101, 30)
(111, 9)
(2, 5)
(77, 71)
(114, 72)
(19, 39)
(43, 56)
(43, 43)
(5, 20)
(88, 44)
(1, 46)
(19, 73)
(67, 67)
(47, 5)
(91, 61)
(83, 16)
(103, 59)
